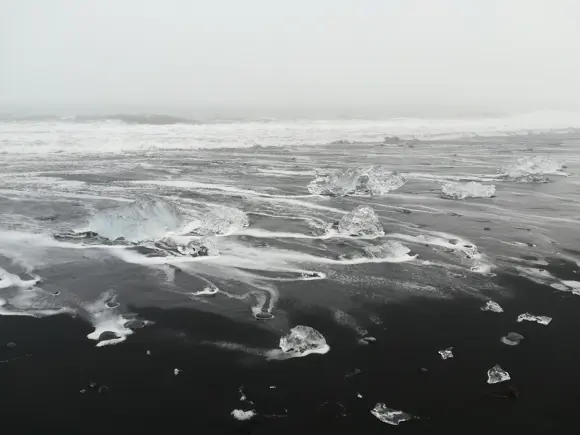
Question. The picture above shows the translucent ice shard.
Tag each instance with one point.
(222, 221)
(496, 374)
(362, 221)
(374, 180)
(240, 414)
(207, 290)
(389, 249)
(467, 190)
(304, 340)
(531, 170)
(194, 248)
(492, 306)
(446, 353)
(138, 221)
(390, 416)
(512, 339)
(542, 320)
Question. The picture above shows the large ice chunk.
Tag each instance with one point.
(467, 190)
(532, 170)
(373, 180)
(362, 221)
(138, 221)
(492, 306)
(542, 320)
(303, 340)
(222, 221)
(390, 416)
(496, 374)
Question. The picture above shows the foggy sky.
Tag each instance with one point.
(471, 54)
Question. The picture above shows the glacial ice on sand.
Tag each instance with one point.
(390, 416)
(496, 374)
(304, 340)
(472, 189)
(138, 221)
(221, 221)
(542, 320)
(362, 221)
(373, 180)
(532, 170)
(492, 306)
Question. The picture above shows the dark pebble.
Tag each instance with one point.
(487, 229)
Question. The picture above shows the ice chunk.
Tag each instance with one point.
(176, 371)
(467, 190)
(240, 414)
(496, 374)
(303, 340)
(512, 339)
(207, 290)
(222, 221)
(542, 320)
(138, 221)
(194, 248)
(373, 180)
(362, 221)
(390, 416)
(446, 353)
(389, 249)
(532, 170)
(106, 320)
(492, 306)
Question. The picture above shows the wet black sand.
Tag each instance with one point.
(53, 361)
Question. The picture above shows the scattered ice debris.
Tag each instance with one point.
(542, 320)
(496, 374)
(359, 395)
(345, 319)
(367, 340)
(138, 221)
(222, 221)
(532, 170)
(304, 340)
(362, 221)
(492, 306)
(242, 415)
(512, 339)
(374, 180)
(472, 189)
(446, 353)
(310, 276)
(208, 290)
(390, 416)
(176, 371)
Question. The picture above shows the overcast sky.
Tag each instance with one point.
(407, 54)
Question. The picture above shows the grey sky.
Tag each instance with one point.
(483, 54)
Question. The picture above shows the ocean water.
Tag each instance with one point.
(133, 247)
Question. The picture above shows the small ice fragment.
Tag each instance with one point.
(542, 320)
(388, 415)
(272, 387)
(93, 384)
(304, 340)
(362, 221)
(359, 395)
(492, 306)
(496, 374)
(242, 415)
(11, 345)
(208, 290)
(148, 352)
(446, 353)
(176, 371)
(512, 339)
(467, 190)
(242, 395)
(367, 340)
(353, 373)
(83, 391)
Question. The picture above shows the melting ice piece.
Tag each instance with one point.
(467, 190)
(496, 374)
(362, 221)
(492, 306)
(573, 286)
(240, 414)
(138, 221)
(542, 320)
(374, 180)
(222, 221)
(304, 340)
(531, 170)
(390, 416)
(389, 249)
(108, 323)
(176, 371)
(512, 339)
(194, 248)
(208, 290)
(446, 353)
